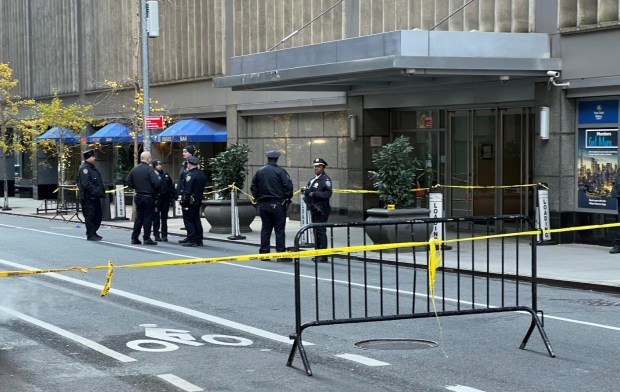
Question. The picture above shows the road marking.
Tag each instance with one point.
(363, 360)
(163, 346)
(70, 335)
(180, 383)
(165, 305)
(461, 388)
(423, 295)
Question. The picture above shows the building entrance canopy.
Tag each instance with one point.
(113, 133)
(57, 134)
(194, 130)
(411, 58)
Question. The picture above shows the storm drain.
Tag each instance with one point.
(395, 344)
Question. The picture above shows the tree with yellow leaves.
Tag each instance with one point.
(73, 117)
(14, 137)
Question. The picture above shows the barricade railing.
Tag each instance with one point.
(483, 272)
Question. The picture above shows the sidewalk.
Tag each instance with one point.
(569, 265)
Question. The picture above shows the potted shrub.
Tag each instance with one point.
(396, 175)
(229, 167)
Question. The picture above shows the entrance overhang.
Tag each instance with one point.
(409, 58)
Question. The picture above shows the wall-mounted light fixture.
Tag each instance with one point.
(543, 122)
(352, 127)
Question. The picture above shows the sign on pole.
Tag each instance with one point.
(154, 122)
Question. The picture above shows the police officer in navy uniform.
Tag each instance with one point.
(162, 202)
(273, 189)
(188, 151)
(90, 185)
(145, 182)
(316, 197)
(191, 202)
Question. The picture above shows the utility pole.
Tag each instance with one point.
(144, 37)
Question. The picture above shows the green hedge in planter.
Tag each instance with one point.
(230, 167)
(396, 174)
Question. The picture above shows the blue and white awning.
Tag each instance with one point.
(113, 133)
(57, 133)
(194, 130)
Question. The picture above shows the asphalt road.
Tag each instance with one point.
(225, 327)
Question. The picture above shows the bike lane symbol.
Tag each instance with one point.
(166, 339)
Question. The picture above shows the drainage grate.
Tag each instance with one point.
(395, 344)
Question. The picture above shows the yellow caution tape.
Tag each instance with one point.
(115, 189)
(434, 257)
(490, 186)
(108, 279)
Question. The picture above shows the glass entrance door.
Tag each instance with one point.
(488, 148)
(473, 147)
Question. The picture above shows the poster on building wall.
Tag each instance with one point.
(597, 163)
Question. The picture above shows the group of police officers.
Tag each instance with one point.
(154, 190)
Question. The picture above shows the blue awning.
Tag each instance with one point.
(113, 133)
(193, 130)
(56, 133)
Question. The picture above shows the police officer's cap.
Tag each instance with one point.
(156, 162)
(193, 160)
(319, 162)
(273, 154)
(88, 153)
(189, 149)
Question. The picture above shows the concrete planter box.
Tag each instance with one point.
(217, 213)
(387, 234)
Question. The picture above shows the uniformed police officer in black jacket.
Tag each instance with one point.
(191, 202)
(162, 202)
(90, 185)
(273, 189)
(317, 196)
(145, 182)
(188, 151)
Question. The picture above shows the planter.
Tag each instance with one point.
(217, 213)
(387, 234)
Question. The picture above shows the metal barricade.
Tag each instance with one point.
(495, 273)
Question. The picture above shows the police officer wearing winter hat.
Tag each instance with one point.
(316, 197)
(90, 185)
(191, 202)
(188, 151)
(273, 189)
(163, 200)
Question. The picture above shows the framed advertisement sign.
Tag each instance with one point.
(597, 163)
(597, 155)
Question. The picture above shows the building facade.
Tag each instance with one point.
(471, 83)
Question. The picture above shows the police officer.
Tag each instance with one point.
(191, 202)
(90, 185)
(317, 196)
(188, 151)
(145, 182)
(162, 202)
(273, 189)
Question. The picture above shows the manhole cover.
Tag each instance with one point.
(395, 344)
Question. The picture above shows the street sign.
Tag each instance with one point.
(154, 122)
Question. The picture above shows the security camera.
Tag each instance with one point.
(553, 74)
